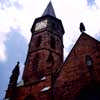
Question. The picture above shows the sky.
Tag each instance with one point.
(17, 17)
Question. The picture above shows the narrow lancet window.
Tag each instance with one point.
(89, 62)
(38, 41)
(52, 42)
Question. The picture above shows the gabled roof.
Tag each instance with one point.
(75, 75)
(49, 10)
(74, 47)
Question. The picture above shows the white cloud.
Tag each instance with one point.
(20, 18)
(20, 15)
(2, 52)
(72, 12)
(97, 3)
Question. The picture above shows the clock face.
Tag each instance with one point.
(41, 25)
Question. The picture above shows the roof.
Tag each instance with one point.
(49, 10)
(79, 39)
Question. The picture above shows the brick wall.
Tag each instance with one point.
(75, 73)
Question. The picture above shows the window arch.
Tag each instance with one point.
(38, 41)
(88, 60)
(35, 63)
(89, 64)
(52, 42)
(50, 58)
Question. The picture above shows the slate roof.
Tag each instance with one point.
(49, 10)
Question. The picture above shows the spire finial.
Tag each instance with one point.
(49, 10)
(82, 27)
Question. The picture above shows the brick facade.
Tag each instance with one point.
(76, 74)
(47, 77)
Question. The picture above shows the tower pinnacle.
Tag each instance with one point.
(49, 10)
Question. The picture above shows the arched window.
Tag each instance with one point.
(30, 97)
(52, 42)
(35, 62)
(38, 41)
(88, 60)
(89, 64)
(50, 58)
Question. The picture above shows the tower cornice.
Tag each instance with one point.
(48, 17)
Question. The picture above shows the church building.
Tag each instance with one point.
(46, 75)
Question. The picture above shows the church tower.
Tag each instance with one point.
(45, 53)
(44, 58)
(46, 76)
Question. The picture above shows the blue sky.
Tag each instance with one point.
(17, 17)
(91, 2)
(16, 50)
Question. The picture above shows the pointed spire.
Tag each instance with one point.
(14, 76)
(16, 69)
(49, 10)
(12, 83)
